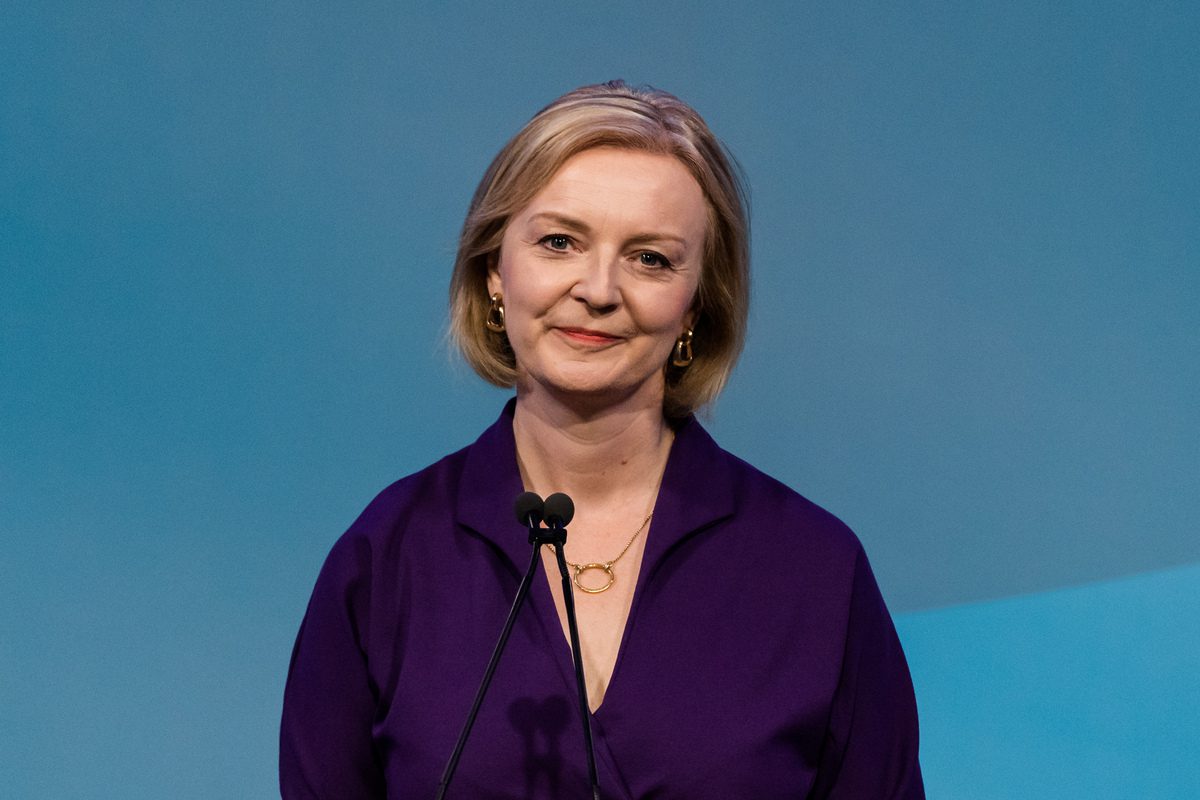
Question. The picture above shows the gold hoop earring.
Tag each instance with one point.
(494, 319)
(683, 349)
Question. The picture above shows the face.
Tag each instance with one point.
(599, 275)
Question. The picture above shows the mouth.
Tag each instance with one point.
(588, 336)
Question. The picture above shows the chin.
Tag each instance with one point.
(596, 391)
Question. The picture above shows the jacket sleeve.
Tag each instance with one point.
(325, 745)
(870, 749)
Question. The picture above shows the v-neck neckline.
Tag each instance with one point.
(688, 500)
(553, 629)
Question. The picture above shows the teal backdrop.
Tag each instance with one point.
(226, 231)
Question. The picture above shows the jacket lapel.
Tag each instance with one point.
(696, 491)
(490, 484)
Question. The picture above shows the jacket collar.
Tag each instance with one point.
(696, 491)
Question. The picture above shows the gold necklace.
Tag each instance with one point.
(606, 567)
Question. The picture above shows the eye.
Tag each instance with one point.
(556, 241)
(652, 259)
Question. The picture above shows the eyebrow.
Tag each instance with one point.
(579, 226)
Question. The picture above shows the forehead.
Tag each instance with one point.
(625, 185)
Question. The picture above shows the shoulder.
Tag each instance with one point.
(710, 483)
(380, 529)
(812, 548)
(793, 516)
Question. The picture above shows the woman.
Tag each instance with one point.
(734, 641)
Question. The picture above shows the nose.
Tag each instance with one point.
(598, 285)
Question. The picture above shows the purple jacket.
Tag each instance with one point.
(758, 661)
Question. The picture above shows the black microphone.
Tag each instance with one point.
(529, 508)
(557, 510)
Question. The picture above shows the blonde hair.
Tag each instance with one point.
(613, 115)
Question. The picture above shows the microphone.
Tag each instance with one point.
(529, 508)
(557, 510)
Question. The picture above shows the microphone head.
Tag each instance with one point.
(529, 509)
(559, 510)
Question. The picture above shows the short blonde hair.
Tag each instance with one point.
(613, 115)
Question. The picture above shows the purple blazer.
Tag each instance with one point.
(758, 661)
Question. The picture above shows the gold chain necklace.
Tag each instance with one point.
(606, 567)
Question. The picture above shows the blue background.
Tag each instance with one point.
(225, 239)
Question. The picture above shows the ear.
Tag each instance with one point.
(693, 314)
(494, 284)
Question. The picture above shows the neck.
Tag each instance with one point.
(598, 456)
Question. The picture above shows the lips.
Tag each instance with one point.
(588, 335)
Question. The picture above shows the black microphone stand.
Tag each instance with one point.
(559, 510)
(529, 512)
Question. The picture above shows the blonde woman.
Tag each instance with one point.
(734, 641)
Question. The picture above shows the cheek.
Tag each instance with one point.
(530, 291)
(503, 266)
(673, 314)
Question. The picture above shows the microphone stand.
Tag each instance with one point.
(558, 540)
(555, 535)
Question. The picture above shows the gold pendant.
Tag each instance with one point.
(605, 568)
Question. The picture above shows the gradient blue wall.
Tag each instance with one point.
(225, 235)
